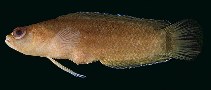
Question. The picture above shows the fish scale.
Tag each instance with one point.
(116, 41)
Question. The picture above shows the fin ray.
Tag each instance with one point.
(158, 24)
(135, 63)
(65, 68)
(186, 39)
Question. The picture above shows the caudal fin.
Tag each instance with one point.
(185, 38)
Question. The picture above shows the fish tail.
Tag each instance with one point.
(185, 39)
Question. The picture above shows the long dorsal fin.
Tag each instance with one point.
(66, 69)
(109, 17)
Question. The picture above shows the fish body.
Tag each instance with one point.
(116, 41)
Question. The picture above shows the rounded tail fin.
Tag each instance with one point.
(185, 38)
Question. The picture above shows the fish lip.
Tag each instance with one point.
(7, 39)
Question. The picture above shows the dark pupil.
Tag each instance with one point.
(19, 32)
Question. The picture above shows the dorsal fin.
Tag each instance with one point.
(103, 16)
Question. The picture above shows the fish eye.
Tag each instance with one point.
(19, 33)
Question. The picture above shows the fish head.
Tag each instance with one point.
(26, 40)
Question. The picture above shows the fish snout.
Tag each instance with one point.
(7, 39)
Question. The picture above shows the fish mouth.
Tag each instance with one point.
(8, 41)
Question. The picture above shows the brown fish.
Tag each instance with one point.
(116, 41)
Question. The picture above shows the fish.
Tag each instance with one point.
(116, 41)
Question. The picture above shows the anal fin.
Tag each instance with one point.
(134, 62)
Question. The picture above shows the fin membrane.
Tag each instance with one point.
(134, 62)
(66, 69)
(185, 39)
(158, 24)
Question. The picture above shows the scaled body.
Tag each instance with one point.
(115, 41)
